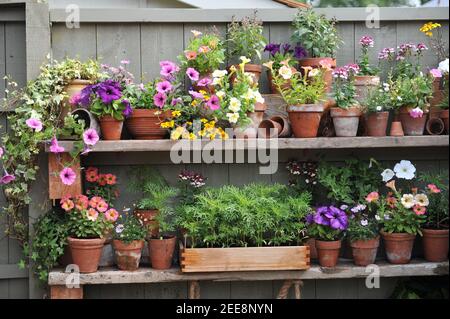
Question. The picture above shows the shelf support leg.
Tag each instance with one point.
(62, 292)
(194, 290)
(288, 284)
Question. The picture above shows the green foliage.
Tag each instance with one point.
(415, 91)
(437, 211)
(48, 244)
(316, 33)
(359, 230)
(344, 92)
(324, 233)
(378, 99)
(365, 68)
(246, 38)
(398, 219)
(254, 215)
(351, 182)
(81, 227)
(421, 288)
(129, 228)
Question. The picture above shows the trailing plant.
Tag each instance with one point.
(253, 215)
(344, 89)
(365, 67)
(316, 33)
(36, 120)
(327, 223)
(129, 228)
(246, 38)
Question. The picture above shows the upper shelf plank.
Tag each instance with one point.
(281, 144)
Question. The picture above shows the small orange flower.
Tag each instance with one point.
(102, 181)
(190, 55)
(111, 179)
(67, 204)
(92, 176)
(392, 202)
(419, 210)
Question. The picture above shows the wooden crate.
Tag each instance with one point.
(244, 259)
(56, 188)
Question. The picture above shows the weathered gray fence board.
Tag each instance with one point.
(74, 43)
(346, 52)
(16, 52)
(2, 60)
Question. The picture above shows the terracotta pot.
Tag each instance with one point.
(328, 252)
(398, 247)
(269, 129)
(286, 130)
(128, 256)
(396, 129)
(435, 112)
(444, 117)
(86, 253)
(435, 244)
(254, 69)
(305, 119)
(161, 252)
(315, 63)
(148, 219)
(364, 84)
(438, 93)
(146, 124)
(256, 117)
(412, 126)
(346, 122)
(111, 128)
(435, 126)
(376, 123)
(365, 251)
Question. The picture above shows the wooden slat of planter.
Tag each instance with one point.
(56, 188)
(245, 259)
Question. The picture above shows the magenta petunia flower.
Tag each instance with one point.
(160, 100)
(436, 73)
(176, 101)
(204, 82)
(54, 146)
(34, 124)
(416, 113)
(67, 176)
(196, 95)
(7, 178)
(192, 74)
(213, 103)
(164, 87)
(86, 151)
(90, 137)
(168, 69)
(1, 152)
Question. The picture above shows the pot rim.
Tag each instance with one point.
(306, 108)
(134, 245)
(310, 59)
(165, 238)
(430, 231)
(79, 81)
(407, 109)
(397, 236)
(108, 118)
(322, 244)
(350, 112)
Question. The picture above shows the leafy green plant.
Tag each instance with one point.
(246, 38)
(316, 33)
(365, 67)
(415, 92)
(362, 226)
(378, 99)
(344, 89)
(129, 228)
(437, 216)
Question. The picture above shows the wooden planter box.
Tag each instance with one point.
(244, 259)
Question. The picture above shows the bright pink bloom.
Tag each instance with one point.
(112, 215)
(416, 113)
(1, 152)
(204, 82)
(94, 201)
(68, 176)
(196, 95)
(372, 197)
(436, 73)
(419, 210)
(192, 74)
(102, 206)
(125, 62)
(54, 147)
(434, 189)
(81, 202)
(213, 103)
(34, 124)
(160, 100)
(366, 41)
(164, 87)
(90, 137)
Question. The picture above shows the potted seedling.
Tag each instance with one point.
(367, 77)
(376, 108)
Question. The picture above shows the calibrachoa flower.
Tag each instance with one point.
(68, 176)
(92, 214)
(81, 202)
(366, 41)
(102, 206)
(373, 197)
(405, 170)
(67, 204)
(112, 215)
(102, 181)
(420, 210)
(34, 124)
(192, 74)
(190, 55)
(433, 189)
(54, 147)
(111, 179)
(416, 113)
(90, 137)
(94, 201)
(92, 175)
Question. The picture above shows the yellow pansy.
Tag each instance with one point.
(204, 121)
(192, 137)
(194, 103)
(176, 113)
(169, 124)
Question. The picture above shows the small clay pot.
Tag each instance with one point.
(412, 126)
(315, 63)
(258, 115)
(146, 124)
(86, 253)
(396, 129)
(328, 252)
(398, 247)
(286, 130)
(148, 219)
(305, 119)
(435, 244)
(365, 251)
(73, 88)
(346, 122)
(269, 129)
(128, 256)
(435, 126)
(364, 84)
(376, 123)
(111, 128)
(444, 117)
(161, 252)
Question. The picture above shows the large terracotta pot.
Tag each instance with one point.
(444, 117)
(364, 84)
(328, 252)
(111, 128)
(377, 123)
(398, 247)
(305, 119)
(148, 219)
(86, 253)
(146, 124)
(412, 126)
(435, 244)
(315, 63)
(128, 256)
(161, 252)
(365, 251)
(346, 122)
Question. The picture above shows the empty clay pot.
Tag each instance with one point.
(365, 251)
(346, 122)
(111, 128)
(146, 124)
(328, 252)
(86, 253)
(435, 244)
(148, 219)
(398, 247)
(376, 123)
(444, 117)
(435, 126)
(286, 130)
(396, 129)
(305, 119)
(269, 129)
(412, 126)
(128, 256)
(161, 252)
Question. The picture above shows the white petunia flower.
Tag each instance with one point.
(443, 66)
(235, 105)
(219, 73)
(387, 175)
(405, 170)
(364, 222)
(422, 200)
(233, 117)
(285, 72)
(408, 201)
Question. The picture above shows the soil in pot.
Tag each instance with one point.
(128, 256)
(398, 247)
(412, 126)
(328, 252)
(86, 253)
(435, 244)
(376, 123)
(146, 124)
(148, 218)
(305, 119)
(364, 84)
(161, 252)
(315, 63)
(444, 117)
(111, 128)
(346, 122)
(365, 251)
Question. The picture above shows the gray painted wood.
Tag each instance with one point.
(78, 43)
(15, 53)
(346, 52)
(2, 60)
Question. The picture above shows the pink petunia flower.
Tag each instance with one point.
(416, 113)
(112, 215)
(434, 189)
(90, 137)
(192, 74)
(164, 87)
(196, 95)
(7, 178)
(67, 204)
(1, 152)
(67, 176)
(160, 100)
(419, 210)
(436, 73)
(94, 201)
(204, 82)
(213, 103)
(372, 197)
(34, 124)
(54, 146)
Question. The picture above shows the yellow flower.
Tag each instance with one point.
(204, 121)
(235, 105)
(176, 113)
(169, 124)
(245, 60)
(194, 103)
(192, 137)
(188, 123)
(428, 27)
(176, 134)
(202, 133)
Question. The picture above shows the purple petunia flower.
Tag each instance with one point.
(54, 146)
(192, 74)
(204, 82)
(109, 91)
(310, 219)
(213, 103)
(128, 109)
(160, 100)
(68, 176)
(90, 137)
(176, 101)
(164, 87)
(337, 218)
(34, 124)
(300, 52)
(7, 178)
(273, 48)
(286, 48)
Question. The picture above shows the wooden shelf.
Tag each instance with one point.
(281, 144)
(344, 270)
